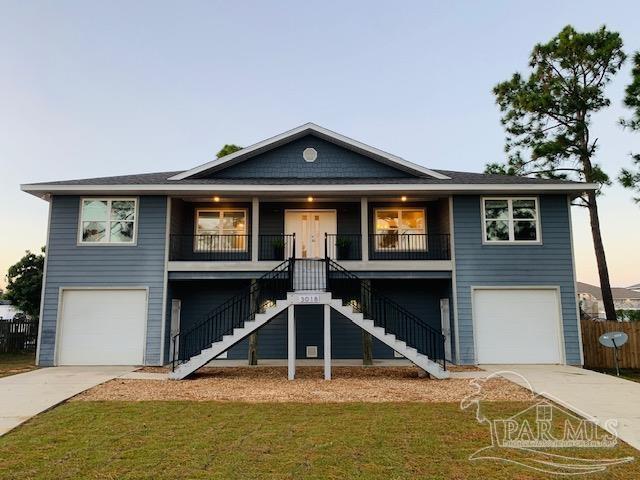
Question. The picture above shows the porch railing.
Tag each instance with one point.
(405, 246)
(209, 247)
(276, 247)
(344, 246)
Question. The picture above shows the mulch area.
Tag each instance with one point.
(270, 384)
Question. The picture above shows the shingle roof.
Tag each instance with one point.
(618, 293)
(161, 178)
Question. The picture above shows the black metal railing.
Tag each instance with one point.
(309, 274)
(209, 247)
(409, 246)
(232, 314)
(276, 247)
(385, 312)
(343, 246)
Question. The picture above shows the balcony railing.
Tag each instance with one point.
(344, 246)
(410, 246)
(210, 247)
(276, 247)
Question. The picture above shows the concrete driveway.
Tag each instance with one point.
(24, 395)
(601, 396)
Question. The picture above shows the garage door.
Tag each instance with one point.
(517, 326)
(102, 327)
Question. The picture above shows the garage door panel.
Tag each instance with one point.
(517, 325)
(102, 327)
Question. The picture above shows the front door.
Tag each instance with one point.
(310, 227)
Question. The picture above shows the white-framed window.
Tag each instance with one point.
(108, 221)
(510, 220)
(400, 229)
(220, 229)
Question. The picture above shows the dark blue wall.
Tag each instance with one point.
(333, 162)
(70, 264)
(547, 264)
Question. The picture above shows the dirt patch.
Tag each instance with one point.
(270, 384)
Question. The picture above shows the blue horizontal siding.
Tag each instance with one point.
(71, 265)
(512, 265)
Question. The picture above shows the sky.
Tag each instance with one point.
(106, 88)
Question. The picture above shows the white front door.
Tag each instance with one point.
(310, 227)
(176, 306)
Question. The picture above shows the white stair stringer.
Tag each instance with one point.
(389, 339)
(217, 348)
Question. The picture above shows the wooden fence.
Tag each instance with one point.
(598, 356)
(18, 336)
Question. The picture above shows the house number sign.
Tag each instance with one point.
(308, 298)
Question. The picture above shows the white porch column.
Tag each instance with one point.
(327, 342)
(364, 227)
(255, 228)
(291, 343)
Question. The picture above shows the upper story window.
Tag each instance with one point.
(108, 221)
(221, 230)
(511, 220)
(400, 229)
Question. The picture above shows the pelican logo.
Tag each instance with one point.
(525, 438)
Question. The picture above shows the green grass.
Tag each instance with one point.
(12, 363)
(208, 440)
(626, 373)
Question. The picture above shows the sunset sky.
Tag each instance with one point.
(109, 88)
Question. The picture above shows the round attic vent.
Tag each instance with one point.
(310, 154)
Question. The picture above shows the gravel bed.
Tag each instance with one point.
(270, 384)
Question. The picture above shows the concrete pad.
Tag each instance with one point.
(27, 394)
(600, 396)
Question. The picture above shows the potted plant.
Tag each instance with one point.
(343, 245)
(278, 248)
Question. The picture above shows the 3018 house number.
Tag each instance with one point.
(308, 298)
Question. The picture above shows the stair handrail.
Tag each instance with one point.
(252, 289)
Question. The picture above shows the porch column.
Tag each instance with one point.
(364, 227)
(255, 228)
(327, 341)
(291, 343)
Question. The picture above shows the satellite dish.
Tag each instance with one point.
(613, 339)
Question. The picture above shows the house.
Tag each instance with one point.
(306, 239)
(7, 310)
(590, 297)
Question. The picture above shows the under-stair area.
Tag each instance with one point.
(301, 281)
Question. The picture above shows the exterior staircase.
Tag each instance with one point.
(273, 293)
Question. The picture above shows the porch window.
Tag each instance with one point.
(400, 229)
(107, 221)
(221, 230)
(511, 220)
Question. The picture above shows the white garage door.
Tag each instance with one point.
(102, 327)
(517, 326)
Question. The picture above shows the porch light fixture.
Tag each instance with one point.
(216, 199)
(309, 199)
(403, 198)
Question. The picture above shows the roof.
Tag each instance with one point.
(421, 178)
(635, 287)
(617, 292)
(307, 128)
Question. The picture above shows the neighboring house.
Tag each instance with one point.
(7, 311)
(590, 297)
(433, 263)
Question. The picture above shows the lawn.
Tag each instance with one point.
(214, 440)
(12, 363)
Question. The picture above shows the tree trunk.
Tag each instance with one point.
(367, 348)
(603, 271)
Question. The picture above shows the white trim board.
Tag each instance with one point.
(307, 128)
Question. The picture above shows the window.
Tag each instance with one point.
(221, 230)
(108, 221)
(400, 229)
(511, 220)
